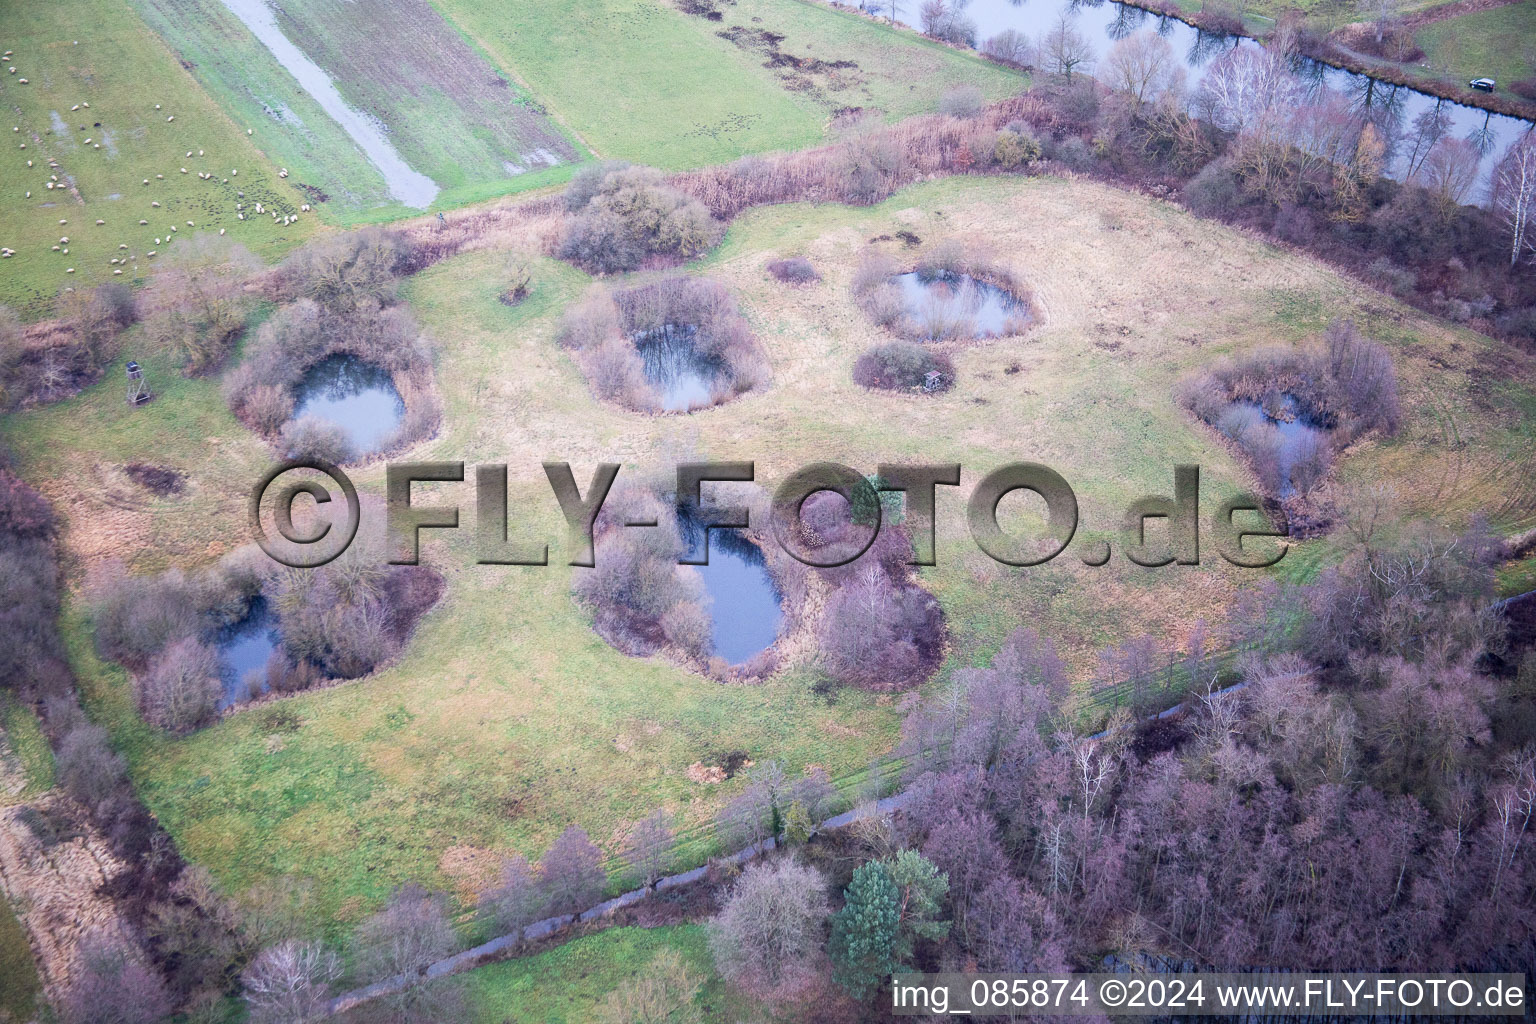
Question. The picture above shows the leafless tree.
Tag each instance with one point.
(663, 993)
(1010, 46)
(649, 850)
(1065, 49)
(1449, 170)
(409, 935)
(517, 901)
(289, 981)
(1513, 193)
(768, 933)
(1144, 67)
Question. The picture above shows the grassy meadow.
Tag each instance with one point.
(639, 80)
(507, 718)
(1499, 43)
(73, 53)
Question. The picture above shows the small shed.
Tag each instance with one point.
(933, 380)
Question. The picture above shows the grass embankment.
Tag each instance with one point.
(26, 770)
(507, 719)
(449, 113)
(76, 52)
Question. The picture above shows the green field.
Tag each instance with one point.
(565, 985)
(641, 81)
(75, 52)
(1498, 44)
(507, 718)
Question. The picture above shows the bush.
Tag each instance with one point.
(181, 690)
(631, 215)
(1015, 148)
(86, 765)
(961, 101)
(346, 272)
(902, 366)
(1397, 280)
(795, 270)
(1217, 191)
(137, 616)
(571, 873)
(310, 437)
(688, 625)
(201, 299)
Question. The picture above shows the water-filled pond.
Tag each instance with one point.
(358, 396)
(949, 305)
(745, 607)
(1393, 108)
(1298, 436)
(682, 376)
(244, 648)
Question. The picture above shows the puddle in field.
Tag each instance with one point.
(244, 648)
(1296, 436)
(745, 608)
(409, 186)
(682, 377)
(958, 305)
(358, 396)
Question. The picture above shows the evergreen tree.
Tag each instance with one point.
(864, 932)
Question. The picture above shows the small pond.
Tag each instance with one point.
(950, 305)
(244, 648)
(745, 606)
(1297, 435)
(358, 396)
(683, 378)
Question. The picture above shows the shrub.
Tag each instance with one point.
(266, 407)
(587, 182)
(517, 900)
(795, 270)
(631, 215)
(688, 625)
(200, 298)
(961, 101)
(111, 986)
(181, 690)
(310, 437)
(1397, 280)
(1015, 148)
(1217, 191)
(86, 765)
(349, 271)
(136, 616)
(1524, 87)
(902, 366)
(1362, 372)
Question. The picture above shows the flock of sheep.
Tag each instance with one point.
(122, 261)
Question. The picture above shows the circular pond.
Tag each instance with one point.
(355, 395)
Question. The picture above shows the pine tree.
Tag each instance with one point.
(864, 932)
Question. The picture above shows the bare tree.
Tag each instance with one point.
(768, 933)
(409, 935)
(1010, 46)
(1065, 49)
(1449, 170)
(650, 847)
(1144, 67)
(289, 981)
(571, 872)
(1513, 192)
(518, 900)
(111, 985)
